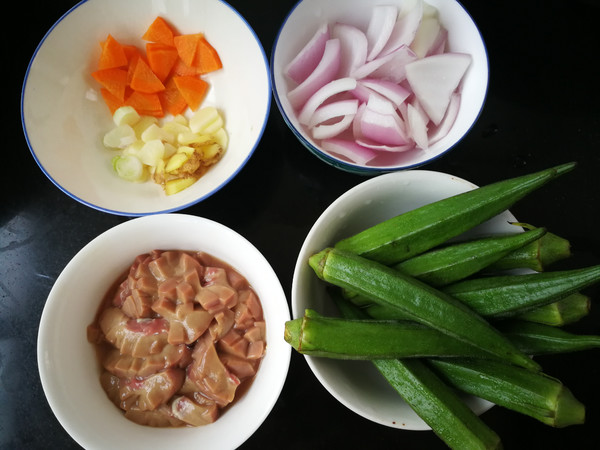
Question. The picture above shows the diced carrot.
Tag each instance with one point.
(159, 31)
(131, 66)
(207, 59)
(161, 59)
(192, 89)
(144, 80)
(171, 99)
(145, 104)
(112, 55)
(114, 80)
(182, 69)
(186, 45)
(131, 51)
(111, 101)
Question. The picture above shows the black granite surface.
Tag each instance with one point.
(541, 110)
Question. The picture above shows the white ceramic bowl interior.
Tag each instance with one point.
(67, 362)
(65, 118)
(357, 384)
(303, 21)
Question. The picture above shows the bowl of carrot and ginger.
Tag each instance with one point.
(136, 109)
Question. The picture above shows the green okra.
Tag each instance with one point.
(539, 339)
(337, 338)
(430, 398)
(562, 312)
(532, 393)
(423, 303)
(537, 255)
(455, 262)
(508, 295)
(360, 339)
(438, 405)
(421, 229)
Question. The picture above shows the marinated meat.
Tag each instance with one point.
(127, 366)
(210, 375)
(147, 394)
(160, 417)
(176, 337)
(135, 337)
(192, 413)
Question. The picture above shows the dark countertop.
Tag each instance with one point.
(541, 110)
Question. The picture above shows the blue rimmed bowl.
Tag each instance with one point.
(64, 117)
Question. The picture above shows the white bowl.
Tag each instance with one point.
(67, 361)
(301, 24)
(357, 384)
(64, 117)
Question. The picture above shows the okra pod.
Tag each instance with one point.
(430, 398)
(455, 262)
(338, 338)
(438, 405)
(421, 229)
(507, 295)
(537, 255)
(535, 394)
(532, 393)
(539, 339)
(562, 312)
(422, 302)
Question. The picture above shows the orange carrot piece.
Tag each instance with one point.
(114, 80)
(192, 89)
(161, 59)
(145, 104)
(132, 64)
(207, 59)
(144, 80)
(159, 31)
(132, 52)
(182, 69)
(171, 99)
(112, 55)
(111, 101)
(186, 45)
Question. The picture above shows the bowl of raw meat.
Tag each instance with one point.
(173, 340)
(371, 87)
(136, 108)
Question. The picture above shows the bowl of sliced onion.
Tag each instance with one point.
(372, 87)
(138, 107)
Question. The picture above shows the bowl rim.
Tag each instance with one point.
(165, 210)
(279, 365)
(350, 166)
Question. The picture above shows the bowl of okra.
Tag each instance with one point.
(347, 270)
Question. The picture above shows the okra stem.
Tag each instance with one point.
(421, 229)
(420, 301)
(537, 255)
(562, 312)
(508, 295)
(532, 393)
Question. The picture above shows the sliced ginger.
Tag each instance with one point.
(172, 154)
